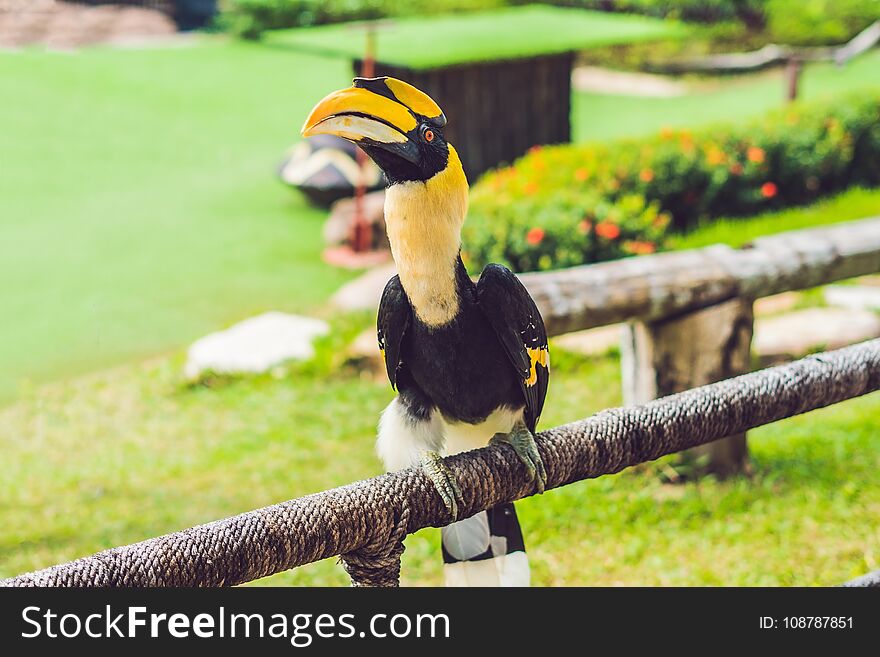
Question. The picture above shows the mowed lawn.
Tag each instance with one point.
(129, 453)
(453, 39)
(735, 98)
(851, 205)
(139, 209)
(139, 206)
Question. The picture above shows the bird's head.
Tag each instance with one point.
(397, 125)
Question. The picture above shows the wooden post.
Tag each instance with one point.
(792, 75)
(672, 355)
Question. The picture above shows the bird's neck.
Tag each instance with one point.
(424, 221)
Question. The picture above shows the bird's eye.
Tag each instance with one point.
(429, 136)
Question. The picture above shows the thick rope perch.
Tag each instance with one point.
(871, 580)
(368, 519)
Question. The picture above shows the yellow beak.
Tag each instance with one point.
(360, 115)
(376, 112)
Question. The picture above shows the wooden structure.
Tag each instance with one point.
(663, 357)
(666, 285)
(689, 313)
(503, 78)
(498, 110)
(366, 522)
(689, 307)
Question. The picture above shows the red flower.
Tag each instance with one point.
(535, 236)
(715, 156)
(639, 248)
(581, 174)
(646, 175)
(686, 139)
(736, 169)
(585, 226)
(755, 154)
(608, 230)
(768, 190)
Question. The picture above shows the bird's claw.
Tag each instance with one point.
(523, 443)
(444, 481)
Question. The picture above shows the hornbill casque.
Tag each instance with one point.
(469, 361)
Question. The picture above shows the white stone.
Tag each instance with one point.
(860, 297)
(365, 292)
(606, 81)
(590, 342)
(798, 333)
(255, 345)
(777, 303)
(364, 354)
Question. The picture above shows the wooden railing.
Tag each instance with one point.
(366, 522)
(688, 314)
(676, 303)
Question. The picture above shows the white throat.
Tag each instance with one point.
(424, 221)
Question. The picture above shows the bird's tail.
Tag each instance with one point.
(485, 550)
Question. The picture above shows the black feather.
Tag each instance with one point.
(394, 318)
(519, 326)
(476, 363)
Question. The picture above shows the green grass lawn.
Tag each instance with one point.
(599, 117)
(138, 203)
(130, 453)
(447, 40)
(138, 210)
(737, 231)
(139, 207)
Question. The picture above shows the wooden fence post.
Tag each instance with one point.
(666, 356)
(792, 78)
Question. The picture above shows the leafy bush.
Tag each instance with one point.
(546, 210)
(819, 22)
(798, 23)
(516, 219)
(705, 11)
(250, 18)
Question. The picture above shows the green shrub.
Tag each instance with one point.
(528, 228)
(795, 22)
(677, 178)
(819, 22)
(810, 22)
(250, 18)
(704, 11)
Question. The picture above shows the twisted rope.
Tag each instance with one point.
(378, 562)
(871, 580)
(365, 520)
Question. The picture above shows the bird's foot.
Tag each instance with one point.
(523, 443)
(444, 481)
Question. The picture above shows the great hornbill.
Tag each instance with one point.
(469, 361)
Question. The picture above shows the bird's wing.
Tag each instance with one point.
(394, 319)
(520, 328)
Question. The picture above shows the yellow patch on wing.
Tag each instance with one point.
(539, 356)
